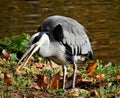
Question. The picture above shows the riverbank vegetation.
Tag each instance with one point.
(39, 80)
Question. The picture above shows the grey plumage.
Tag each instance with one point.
(73, 34)
(62, 40)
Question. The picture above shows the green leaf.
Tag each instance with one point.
(16, 43)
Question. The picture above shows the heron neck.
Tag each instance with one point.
(49, 49)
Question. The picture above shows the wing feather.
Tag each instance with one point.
(72, 36)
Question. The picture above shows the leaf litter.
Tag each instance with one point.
(40, 79)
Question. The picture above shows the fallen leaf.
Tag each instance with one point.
(1, 63)
(117, 75)
(90, 68)
(78, 78)
(100, 77)
(94, 93)
(16, 95)
(7, 79)
(55, 81)
(19, 71)
(5, 54)
(34, 85)
(97, 76)
(42, 81)
(84, 83)
(73, 92)
(0, 72)
(76, 93)
(1, 96)
(39, 64)
(92, 75)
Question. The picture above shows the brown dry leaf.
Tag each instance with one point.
(1, 96)
(1, 63)
(117, 75)
(92, 75)
(16, 95)
(78, 78)
(94, 93)
(100, 77)
(34, 85)
(5, 54)
(0, 72)
(72, 92)
(91, 68)
(76, 92)
(42, 81)
(19, 71)
(7, 79)
(39, 64)
(97, 76)
(83, 83)
(55, 81)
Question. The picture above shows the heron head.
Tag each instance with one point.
(36, 41)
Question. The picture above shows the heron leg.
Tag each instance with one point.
(64, 76)
(74, 74)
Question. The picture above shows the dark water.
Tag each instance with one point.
(100, 17)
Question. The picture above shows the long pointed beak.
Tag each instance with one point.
(28, 53)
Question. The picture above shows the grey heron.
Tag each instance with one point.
(62, 40)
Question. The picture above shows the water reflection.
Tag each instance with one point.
(100, 17)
